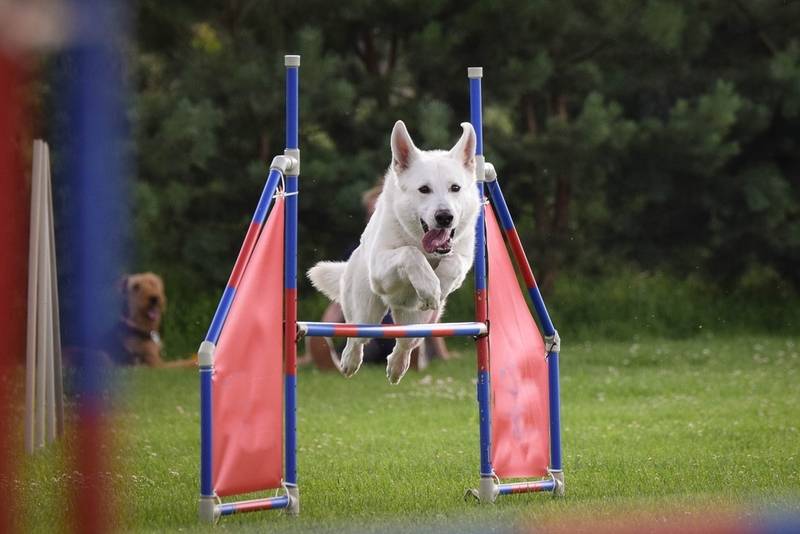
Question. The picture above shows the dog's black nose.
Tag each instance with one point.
(153, 300)
(443, 218)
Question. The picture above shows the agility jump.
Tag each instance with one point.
(248, 360)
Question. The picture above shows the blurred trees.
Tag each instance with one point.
(657, 134)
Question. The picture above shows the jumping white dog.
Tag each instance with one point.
(416, 249)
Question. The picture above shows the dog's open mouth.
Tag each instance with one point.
(154, 312)
(438, 240)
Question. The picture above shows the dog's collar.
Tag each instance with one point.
(144, 334)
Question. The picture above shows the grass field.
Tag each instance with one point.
(690, 426)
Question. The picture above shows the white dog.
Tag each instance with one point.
(416, 249)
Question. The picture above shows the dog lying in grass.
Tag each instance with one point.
(136, 339)
(416, 249)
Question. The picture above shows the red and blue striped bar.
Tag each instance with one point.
(391, 330)
(243, 258)
(527, 487)
(253, 505)
(507, 224)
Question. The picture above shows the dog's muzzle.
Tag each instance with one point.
(437, 241)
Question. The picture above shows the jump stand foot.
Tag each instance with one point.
(208, 510)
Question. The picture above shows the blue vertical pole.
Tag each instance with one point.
(555, 411)
(486, 490)
(290, 333)
(481, 316)
(476, 110)
(96, 170)
(206, 489)
(292, 101)
(292, 64)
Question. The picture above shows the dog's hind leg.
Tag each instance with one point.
(398, 361)
(360, 306)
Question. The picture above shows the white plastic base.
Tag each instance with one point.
(488, 490)
(559, 490)
(208, 510)
(294, 500)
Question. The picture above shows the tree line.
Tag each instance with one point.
(658, 135)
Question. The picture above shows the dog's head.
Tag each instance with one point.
(437, 198)
(144, 301)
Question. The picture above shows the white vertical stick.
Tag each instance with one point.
(42, 311)
(47, 353)
(57, 374)
(33, 248)
(46, 302)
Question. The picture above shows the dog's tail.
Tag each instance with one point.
(326, 277)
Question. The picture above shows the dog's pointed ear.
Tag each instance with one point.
(403, 150)
(464, 149)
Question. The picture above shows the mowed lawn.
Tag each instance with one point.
(689, 426)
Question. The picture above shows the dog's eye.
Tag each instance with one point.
(135, 286)
(424, 189)
(455, 188)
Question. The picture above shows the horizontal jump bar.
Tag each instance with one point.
(240, 507)
(527, 487)
(390, 330)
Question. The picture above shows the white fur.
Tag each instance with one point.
(325, 276)
(390, 268)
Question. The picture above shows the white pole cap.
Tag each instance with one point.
(291, 61)
(474, 72)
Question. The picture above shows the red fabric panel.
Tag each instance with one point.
(520, 410)
(247, 413)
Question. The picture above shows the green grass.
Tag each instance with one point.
(708, 423)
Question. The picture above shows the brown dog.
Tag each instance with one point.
(136, 339)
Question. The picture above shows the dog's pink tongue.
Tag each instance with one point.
(436, 238)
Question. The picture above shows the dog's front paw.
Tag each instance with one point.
(429, 297)
(426, 285)
(396, 366)
(351, 360)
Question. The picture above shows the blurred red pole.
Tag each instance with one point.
(14, 205)
(93, 510)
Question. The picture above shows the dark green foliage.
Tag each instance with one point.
(651, 135)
